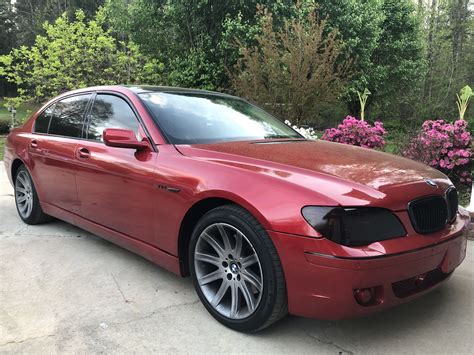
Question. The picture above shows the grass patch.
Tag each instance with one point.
(464, 193)
(22, 112)
(2, 146)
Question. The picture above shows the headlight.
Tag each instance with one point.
(354, 226)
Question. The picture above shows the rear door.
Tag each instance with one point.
(57, 131)
(115, 185)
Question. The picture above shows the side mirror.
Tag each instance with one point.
(123, 138)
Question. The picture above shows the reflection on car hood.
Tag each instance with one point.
(364, 166)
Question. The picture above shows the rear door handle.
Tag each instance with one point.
(34, 146)
(83, 153)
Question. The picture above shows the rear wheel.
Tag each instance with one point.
(236, 270)
(26, 198)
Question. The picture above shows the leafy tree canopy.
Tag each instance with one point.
(30, 15)
(7, 26)
(75, 54)
(200, 41)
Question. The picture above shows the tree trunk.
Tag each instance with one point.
(431, 33)
(458, 16)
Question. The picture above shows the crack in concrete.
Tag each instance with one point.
(21, 230)
(27, 339)
(110, 324)
(157, 311)
(328, 342)
(120, 290)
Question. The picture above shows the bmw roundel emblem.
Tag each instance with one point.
(431, 183)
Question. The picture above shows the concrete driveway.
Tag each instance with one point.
(63, 290)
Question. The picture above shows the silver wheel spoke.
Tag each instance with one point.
(213, 276)
(22, 208)
(220, 294)
(254, 280)
(210, 259)
(234, 305)
(248, 296)
(21, 190)
(225, 237)
(213, 243)
(238, 245)
(21, 199)
(249, 261)
(30, 207)
(21, 180)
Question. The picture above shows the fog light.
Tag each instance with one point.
(364, 295)
(418, 280)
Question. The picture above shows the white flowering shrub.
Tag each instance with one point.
(308, 133)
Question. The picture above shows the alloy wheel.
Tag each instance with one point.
(228, 271)
(24, 195)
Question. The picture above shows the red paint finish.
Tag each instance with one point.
(322, 285)
(136, 193)
(53, 172)
(123, 138)
(108, 183)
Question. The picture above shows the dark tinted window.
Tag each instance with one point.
(42, 121)
(109, 111)
(205, 118)
(68, 116)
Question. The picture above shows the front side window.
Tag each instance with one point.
(68, 116)
(42, 121)
(109, 111)
(192, 118)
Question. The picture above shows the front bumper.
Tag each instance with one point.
(322, 286)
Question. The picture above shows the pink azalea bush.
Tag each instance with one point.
(444, 146)
(356, 132)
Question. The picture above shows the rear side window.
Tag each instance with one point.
(68, 116)
(42, 121)
(109, 111)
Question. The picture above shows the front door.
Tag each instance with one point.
(115, 185)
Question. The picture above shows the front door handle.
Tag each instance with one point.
(83, 153)
(34, 144)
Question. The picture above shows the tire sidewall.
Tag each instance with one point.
(267, 302)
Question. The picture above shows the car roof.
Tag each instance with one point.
(136, 89)
(139, 89)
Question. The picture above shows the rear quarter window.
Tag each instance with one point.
(43, 119)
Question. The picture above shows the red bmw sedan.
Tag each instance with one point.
(264, 221)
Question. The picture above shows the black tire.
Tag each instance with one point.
(273, 304)
(35, 214)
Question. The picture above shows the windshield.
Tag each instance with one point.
(191, 118)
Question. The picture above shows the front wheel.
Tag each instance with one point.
(236, 270)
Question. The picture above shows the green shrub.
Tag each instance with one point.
(296, 71)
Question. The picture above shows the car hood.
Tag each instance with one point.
(361, 166)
